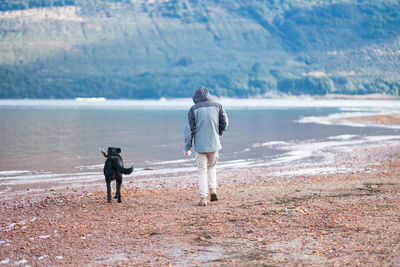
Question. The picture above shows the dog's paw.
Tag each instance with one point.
(119, 201)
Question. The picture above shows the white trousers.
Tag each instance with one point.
(206, 164)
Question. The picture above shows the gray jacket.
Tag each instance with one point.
(206, 122)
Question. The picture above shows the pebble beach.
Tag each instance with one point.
(272, 216)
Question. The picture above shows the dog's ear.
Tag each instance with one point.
(103, 152)
(113, 150)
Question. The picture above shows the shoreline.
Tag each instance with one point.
(275, 215)
(333, 219)
(297, 158)
(386, 119)
(359, 97)
(270, 96)
(228, 103)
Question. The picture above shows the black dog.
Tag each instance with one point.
(113, 169)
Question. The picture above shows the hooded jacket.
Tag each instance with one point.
(206, 122)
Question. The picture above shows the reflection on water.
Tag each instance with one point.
(57, 140)
(60, 139)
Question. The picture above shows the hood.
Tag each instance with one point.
(201, 95)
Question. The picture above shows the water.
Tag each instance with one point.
(47, 138)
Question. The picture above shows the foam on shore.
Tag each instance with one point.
(300, 156)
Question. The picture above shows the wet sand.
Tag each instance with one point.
(350, 218)
(390, 119)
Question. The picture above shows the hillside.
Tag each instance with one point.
(161, 48)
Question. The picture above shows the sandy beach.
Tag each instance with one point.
(324, 219)
(392, 119)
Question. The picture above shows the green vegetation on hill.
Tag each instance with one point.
(143, 49)
(7, 5)
(344, 24)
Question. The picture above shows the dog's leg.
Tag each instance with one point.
(117, 186)
(118, 194)
(108, 191)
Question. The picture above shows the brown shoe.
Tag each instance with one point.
(203, 202)
(213, 197)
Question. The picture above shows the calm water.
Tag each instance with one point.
(64, 136)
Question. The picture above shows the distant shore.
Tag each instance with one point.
(388, 119)
(369, 96)
(268, 96)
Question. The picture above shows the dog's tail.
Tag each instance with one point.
(126, 170)
(120, 166)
